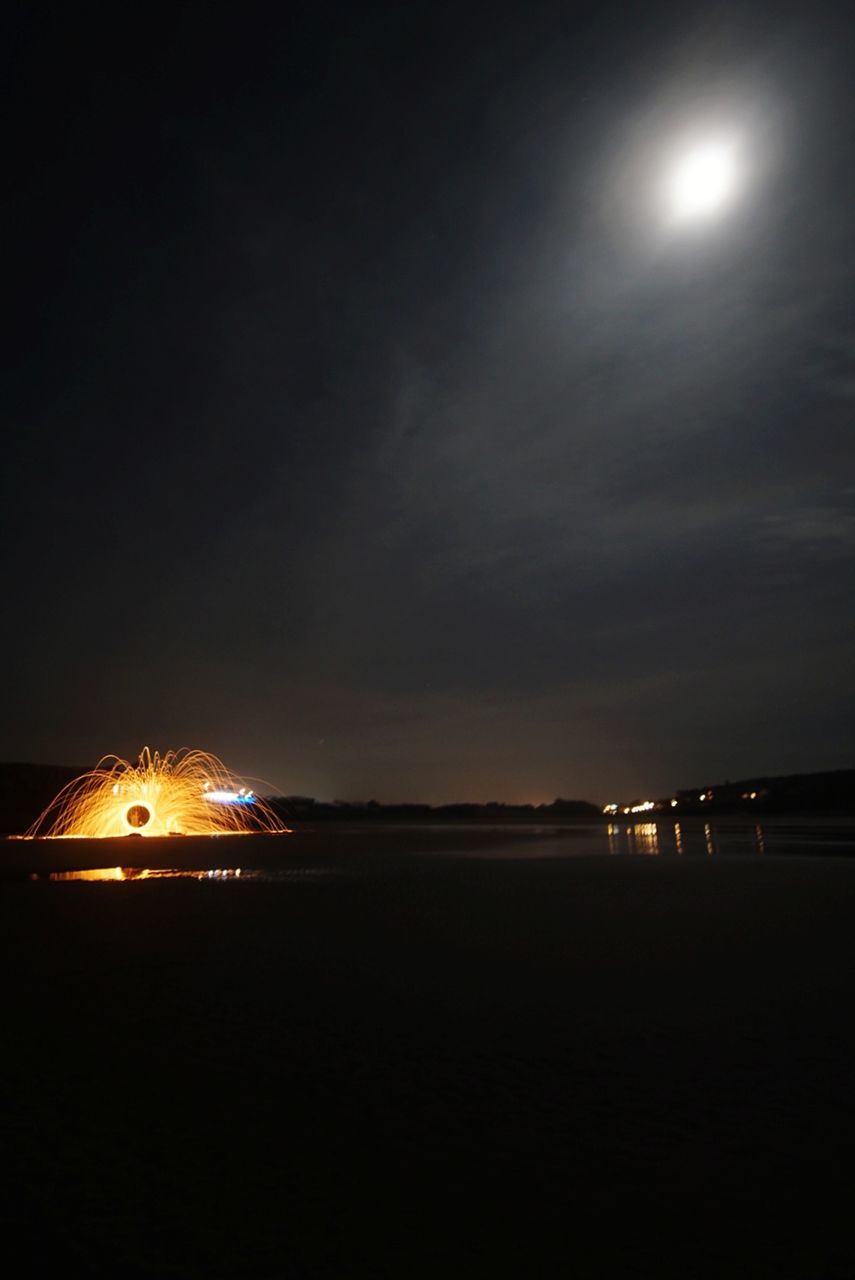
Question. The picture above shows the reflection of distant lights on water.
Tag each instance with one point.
(640, 837)
(708, 837)
(678, 836)
(647, 837)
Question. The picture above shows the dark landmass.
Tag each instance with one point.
(830, 792)
(27, 789)
(304, 808)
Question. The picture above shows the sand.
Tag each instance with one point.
(390, 1063)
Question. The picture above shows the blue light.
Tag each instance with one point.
(230, 797)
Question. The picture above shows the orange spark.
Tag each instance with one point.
(188, 793)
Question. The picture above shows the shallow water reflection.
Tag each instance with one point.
(638, 837)
(145, 873)
(722, 838)
(375, 849)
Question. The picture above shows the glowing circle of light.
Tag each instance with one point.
(161, 795)
(137, 816)
(703, 181)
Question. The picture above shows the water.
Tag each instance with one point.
(348, 849)
(732, 837)
(417, 1051)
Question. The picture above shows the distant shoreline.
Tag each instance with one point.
(27, 789)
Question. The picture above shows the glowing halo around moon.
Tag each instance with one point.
(681, 174)
(188, 793)
(703, 181)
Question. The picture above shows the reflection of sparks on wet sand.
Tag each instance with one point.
(108, 874)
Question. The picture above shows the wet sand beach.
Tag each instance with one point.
(385, 1062)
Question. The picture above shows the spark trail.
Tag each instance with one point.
(187, 793)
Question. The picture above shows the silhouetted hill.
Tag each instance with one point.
(830, 792)
(27, 789)
(306, 809)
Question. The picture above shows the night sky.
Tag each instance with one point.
(366, 422)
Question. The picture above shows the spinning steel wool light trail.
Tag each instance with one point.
(187, 793)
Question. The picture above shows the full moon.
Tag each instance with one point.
(703, 181)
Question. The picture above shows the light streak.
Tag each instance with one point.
(159, 796)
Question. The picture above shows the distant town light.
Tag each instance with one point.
(673, 804)
(643, 806)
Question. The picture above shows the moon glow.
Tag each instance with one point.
(703, 181)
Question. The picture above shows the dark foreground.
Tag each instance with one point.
(403, 1065)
